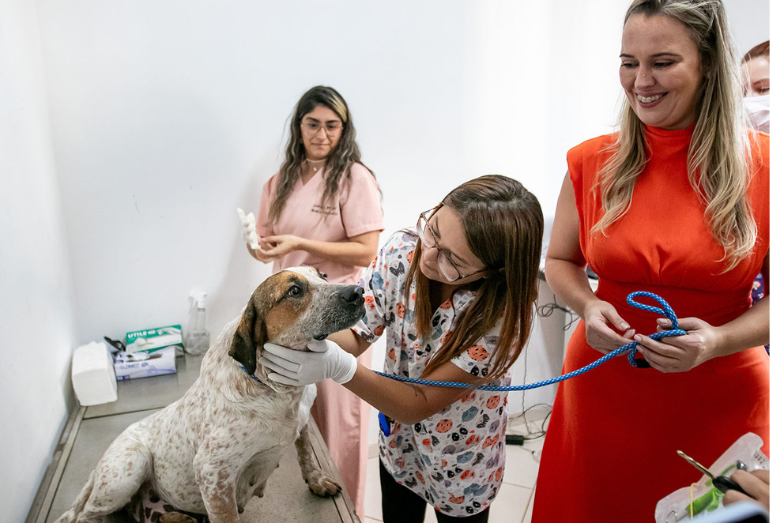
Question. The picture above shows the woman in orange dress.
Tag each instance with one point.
(675, 203)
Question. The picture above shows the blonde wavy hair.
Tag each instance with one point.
(719, 166)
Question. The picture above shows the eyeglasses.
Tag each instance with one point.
(428, 238)
(314, 127)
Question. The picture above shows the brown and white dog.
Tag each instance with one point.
(215, 448)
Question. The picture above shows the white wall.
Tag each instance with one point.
(166, 116)
(750, 22)
(37, 332)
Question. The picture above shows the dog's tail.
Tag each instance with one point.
(80, 503)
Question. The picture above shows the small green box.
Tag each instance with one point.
(151, 340)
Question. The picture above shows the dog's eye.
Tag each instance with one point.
(294, 291)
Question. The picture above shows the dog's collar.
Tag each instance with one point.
(251, 375)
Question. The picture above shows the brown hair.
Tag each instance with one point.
(339, 160)
(757, 51)
(503, 224)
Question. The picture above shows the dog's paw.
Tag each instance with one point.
(322, 485)
(260, 490)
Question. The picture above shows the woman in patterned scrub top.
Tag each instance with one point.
(454, 299)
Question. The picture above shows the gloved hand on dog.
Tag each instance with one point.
(249, 229)
(294, 367)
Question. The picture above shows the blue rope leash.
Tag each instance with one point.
(666, 311)
(251, 375)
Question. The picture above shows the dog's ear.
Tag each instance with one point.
(250, 336)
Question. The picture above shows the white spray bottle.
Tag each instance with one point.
(197, 337)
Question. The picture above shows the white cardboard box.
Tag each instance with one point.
(157, 362)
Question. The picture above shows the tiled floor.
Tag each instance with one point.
(514, 502)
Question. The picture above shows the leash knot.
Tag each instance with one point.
(666, 311)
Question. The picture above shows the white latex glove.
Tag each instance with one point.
(249, 228)
(294, 367)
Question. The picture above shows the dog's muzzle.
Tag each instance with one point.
(352, 296)
(351, 309)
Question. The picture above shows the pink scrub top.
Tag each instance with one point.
(355, 210)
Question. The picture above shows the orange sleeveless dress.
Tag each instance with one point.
(610, 450)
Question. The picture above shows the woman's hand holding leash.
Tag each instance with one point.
(600, 318)
(293, 367)
(680, 353)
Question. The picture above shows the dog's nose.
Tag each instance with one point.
(351, 294)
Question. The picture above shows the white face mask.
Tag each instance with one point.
(758, 108)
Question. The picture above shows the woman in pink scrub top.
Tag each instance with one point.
(322, 209)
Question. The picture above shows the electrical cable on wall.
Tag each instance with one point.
(544, 311)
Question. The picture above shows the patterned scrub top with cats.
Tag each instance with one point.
(455, 458)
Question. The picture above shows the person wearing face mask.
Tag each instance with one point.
(675, 203)
(756, 91)
(756, 85)
(455, 300)
(323, 209)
